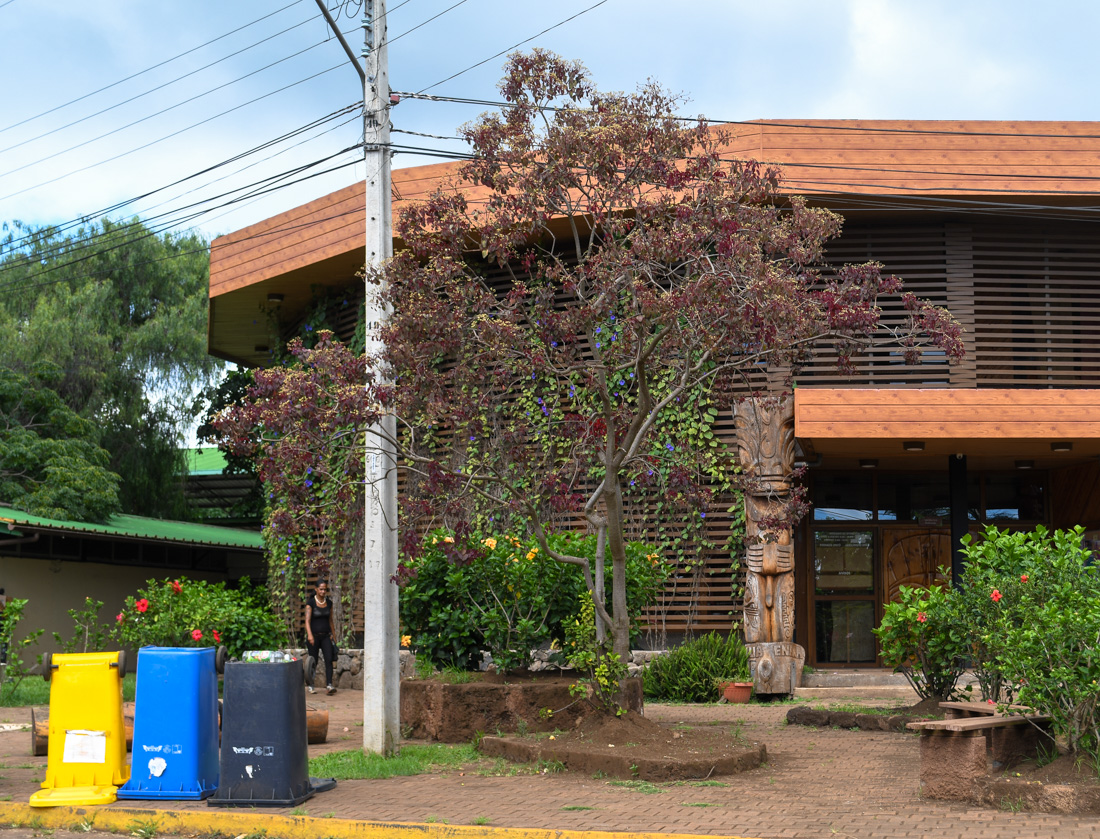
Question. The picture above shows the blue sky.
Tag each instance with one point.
(733, 59)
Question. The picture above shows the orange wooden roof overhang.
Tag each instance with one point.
(894, 168)
(995, 428)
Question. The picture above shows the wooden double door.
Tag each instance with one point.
(854, 570)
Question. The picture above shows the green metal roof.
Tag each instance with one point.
(137, 527)
(207, 460)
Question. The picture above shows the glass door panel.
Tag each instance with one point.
(844, 596)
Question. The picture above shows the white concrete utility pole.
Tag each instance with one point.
(381, 641)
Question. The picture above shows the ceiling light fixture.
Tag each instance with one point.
(913, 445)
(1025, 464)
(1061, 446)
(275, 297)
(867, 463)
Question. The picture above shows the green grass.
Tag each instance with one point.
(34, 690)
(644, 787)
(856, 708)
(413, 760)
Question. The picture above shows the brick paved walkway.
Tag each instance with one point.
(817, 783)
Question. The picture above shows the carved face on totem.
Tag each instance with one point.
(765, 440)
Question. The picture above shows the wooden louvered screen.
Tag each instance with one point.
(1027, 295)
(1029, 298)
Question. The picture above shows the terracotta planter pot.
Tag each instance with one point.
(738, 692)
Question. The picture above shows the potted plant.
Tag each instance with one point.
(732, 689)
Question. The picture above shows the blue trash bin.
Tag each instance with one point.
(175, 751)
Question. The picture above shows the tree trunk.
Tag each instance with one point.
(601, 548)
(620, 618)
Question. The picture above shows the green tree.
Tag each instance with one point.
(121, 311)
(569, 315)
(50, 462)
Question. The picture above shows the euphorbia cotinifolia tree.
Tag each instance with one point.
(599, 270)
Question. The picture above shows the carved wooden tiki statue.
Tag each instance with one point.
(765, 443)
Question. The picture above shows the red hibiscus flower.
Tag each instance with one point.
(922, 617)
(1023, 578)
(217, 637)
(120, 617)
(176, 587)
(996, 596)
(142, 605)
(196, 634)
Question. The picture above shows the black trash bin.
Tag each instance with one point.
(264, 754)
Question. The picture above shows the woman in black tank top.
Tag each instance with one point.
(320, 630)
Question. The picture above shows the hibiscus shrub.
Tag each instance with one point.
(921, 637)
(194, 613)
(1039, 625)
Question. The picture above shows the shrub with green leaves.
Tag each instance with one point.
(603, 671)
(1038, 627)
(921, 637)
(688, 673)
(16, 669)
(471, 592)
(194, 613)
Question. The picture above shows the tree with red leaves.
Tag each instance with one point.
(570, 315)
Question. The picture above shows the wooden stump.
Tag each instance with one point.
(316, 725)
(40, 731)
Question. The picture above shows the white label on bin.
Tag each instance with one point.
(82, 746)
(167, 748)
(157, 766)
(264, 751)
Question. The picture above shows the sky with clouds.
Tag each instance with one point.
(224, 112)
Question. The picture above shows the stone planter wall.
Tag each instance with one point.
(347, 674)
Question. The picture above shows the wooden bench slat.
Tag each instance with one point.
(977, 723)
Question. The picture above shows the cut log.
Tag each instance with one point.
(40, 731)
(316, 725)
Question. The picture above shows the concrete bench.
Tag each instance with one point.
(955, 752)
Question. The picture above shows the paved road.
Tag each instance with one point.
(817, 783)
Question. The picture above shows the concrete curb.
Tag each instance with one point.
(245, 822)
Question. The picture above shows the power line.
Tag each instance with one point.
(169, 136)
(161, 87)
(157, 113)
(240, 156)
(151, 231)
(424, 23)
(147, 69)
(148, 222)
(514, 46)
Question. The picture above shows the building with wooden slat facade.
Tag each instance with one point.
(994, 220)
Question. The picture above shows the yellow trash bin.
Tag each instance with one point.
(87, 754)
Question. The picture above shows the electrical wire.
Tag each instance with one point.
(514, 46)
(389, 41)
(161, 87)
(240, 156)
(169, 136)
(171, 218)
(150, 231)
(148, 69)
(158, 113)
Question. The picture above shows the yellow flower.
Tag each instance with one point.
(531, 553)
(491, 543)
(434, 540)
(448, 539)
(406, 640)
